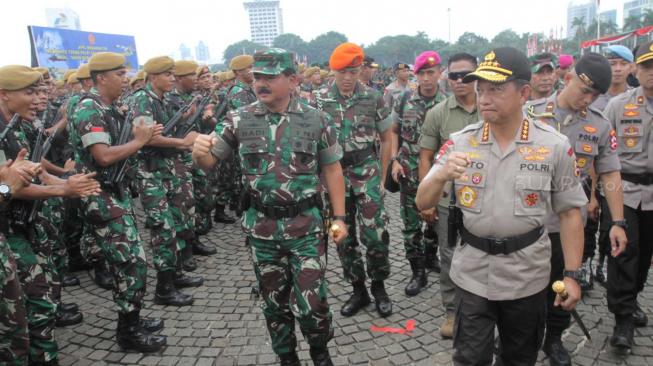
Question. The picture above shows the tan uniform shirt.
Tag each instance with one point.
(631, 115)
(508, 193)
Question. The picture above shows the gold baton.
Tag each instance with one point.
(559, 288)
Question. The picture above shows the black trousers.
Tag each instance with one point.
(520, 323)
(557, 319)
(627, 273)
(591, 227)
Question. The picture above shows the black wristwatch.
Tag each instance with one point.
(575, 275)
(341, 218)
(5, 192)
(621, 223)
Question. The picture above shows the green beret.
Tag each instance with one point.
(83, 72)
(158, 65)
(105, 61)
(185, 67)
(17, 77)
(241, 62)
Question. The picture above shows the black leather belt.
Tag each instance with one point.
(645, 179)
(287, 211)
(353, 158)
(494, 246)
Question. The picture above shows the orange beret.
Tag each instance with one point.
(346, 55)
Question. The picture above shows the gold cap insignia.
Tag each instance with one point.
(586, 79)
(490, 56)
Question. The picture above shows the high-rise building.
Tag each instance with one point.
(265, 20)
(202, 52)
(64, 18)
(608, 16)
(580, 9)
(184, 52)
(636, 8)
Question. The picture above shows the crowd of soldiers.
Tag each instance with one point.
(540, 163)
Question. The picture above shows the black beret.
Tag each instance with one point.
(594, 70)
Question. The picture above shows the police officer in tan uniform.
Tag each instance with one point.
(510, 174)
(631, 115)
(590, 135)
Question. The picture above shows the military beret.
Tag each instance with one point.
(83, 72)
(426, 59)
(158, 65)
(72, 79)
(59, 83)
(644, 53)
(241, 62)
(565, 61)
(501, 65)
(17, 77)
(324, 73)
(105, 61)
(310, 71)
(44, 72)
(594, 70)
(301, 68)
(185, 67)
(619, 51)
(140, 75)
(67, 74)
(202, 69)
(346, 55)
(228, 75)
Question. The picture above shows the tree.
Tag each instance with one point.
(631, 23)
(473, 43)
(320, 48)
(647, 18)
(291, 42)
(578, 25)
(243, 47)
(506, 38)
(392, 49)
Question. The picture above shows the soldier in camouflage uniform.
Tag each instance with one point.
(28, 241)
(159, 189)
(111, 214)
(409, 111)
(284, 146)
(361, 115)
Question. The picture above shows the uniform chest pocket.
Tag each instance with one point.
(630, 137)
(409, 127)
(470, 190)
(303, 157)
(364, 118)
(532, 192)
(254, 154)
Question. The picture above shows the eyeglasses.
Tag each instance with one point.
(458, 75)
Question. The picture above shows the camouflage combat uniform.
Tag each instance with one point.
(14, 339)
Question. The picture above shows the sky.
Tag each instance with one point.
(161, 26)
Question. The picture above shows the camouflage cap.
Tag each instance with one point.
(273, 61)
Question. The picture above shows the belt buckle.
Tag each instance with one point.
(498, 246)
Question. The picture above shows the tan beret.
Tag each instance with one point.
(241, 62)
(44, 72)
(158, 65)
(59, 83)
(83, 72)
(185, 67)
(72, 79)
(324, 73)
(17, 77)
(140, 75)
(67, 74)
(228, 75)
(301, 68)
(202, 69)
(310, 71)
(105, 61)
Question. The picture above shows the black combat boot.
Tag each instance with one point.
(69, 279)
(205, 224)
(68, 307)
(320, 356)
(639, 317)
(188, 262)
(152, 324)
(131, 336)
(558, 354)
(66, 318)
(623, 333)
(166, 292)
(419, 279)
(46, 363)
(183, 280)
(220, 216)
(200, 248)
(103, 277)
(289, 359)
(381, 298)
(358, 300)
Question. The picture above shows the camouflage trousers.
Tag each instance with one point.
(225, 182)
(203, 195)
(418, 236)
(35, 274)
(182, 200)
(291, 280)
(14, 339)
(157, 192)
(53, 211)
(121, 247)
(74, 229)
(364, 203)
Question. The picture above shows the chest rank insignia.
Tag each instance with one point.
(534, 154)
(524, 130)
(486, 132)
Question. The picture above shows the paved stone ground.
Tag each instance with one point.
(226, 327)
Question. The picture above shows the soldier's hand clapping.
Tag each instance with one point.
(203, 145)
(82, 185)
(143, 132)
(455, 166)
(18, 173)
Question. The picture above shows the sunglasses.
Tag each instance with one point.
(458, 75)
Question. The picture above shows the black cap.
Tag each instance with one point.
(401, 66)
(501, 65)
(594, 70)
(644, 52)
